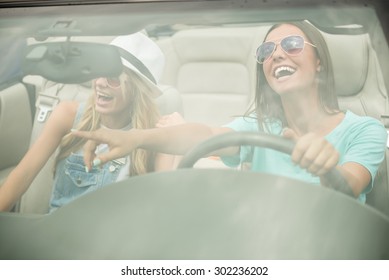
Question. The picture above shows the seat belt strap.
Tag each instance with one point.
(46, 103)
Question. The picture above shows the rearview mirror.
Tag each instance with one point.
(72, 62)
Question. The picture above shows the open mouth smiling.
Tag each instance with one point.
(283, 71)
(104, 96)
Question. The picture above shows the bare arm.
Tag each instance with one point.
(356, 175)
(59, 123)
(175, 140)
(165, 162)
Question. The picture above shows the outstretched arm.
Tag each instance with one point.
(167, 161)
(175, 140)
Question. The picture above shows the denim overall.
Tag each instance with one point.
(71, 179)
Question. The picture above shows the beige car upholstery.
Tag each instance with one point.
(213, 70)
(15, 127)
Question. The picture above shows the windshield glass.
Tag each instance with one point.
(312, 76)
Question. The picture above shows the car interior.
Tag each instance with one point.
(209, 77)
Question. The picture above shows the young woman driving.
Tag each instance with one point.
(295, 98)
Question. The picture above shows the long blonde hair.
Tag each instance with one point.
(144, 114)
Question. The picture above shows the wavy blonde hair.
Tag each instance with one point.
(144, 114)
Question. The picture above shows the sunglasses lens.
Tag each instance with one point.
(113, 82)
(264, 51)
(293, 45)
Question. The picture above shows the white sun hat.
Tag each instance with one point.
(142, 55)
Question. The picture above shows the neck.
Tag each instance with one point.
(304, 113)
(115, 122)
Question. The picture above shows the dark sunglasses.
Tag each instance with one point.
(291, 45)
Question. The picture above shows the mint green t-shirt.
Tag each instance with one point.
(357, 139)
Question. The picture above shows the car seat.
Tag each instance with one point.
(361, 89)
(15, 127)
(15, 133)
(214, 70)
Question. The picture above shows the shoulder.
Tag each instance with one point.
(64, 114)
(362, 122)
(363, 128)
(67, 107)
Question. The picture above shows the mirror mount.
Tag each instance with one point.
(70, 62)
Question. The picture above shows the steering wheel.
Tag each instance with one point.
(334, 179)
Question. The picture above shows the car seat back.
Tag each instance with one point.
(360, 88)
(15, 126)
(214, 70)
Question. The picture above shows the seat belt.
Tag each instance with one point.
(46, 102)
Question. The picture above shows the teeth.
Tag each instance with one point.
(104, 95)
(283, 68)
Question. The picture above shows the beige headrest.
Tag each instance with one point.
(350, 58)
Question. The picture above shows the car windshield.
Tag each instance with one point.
(234, 66)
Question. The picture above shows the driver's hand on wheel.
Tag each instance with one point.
(312, 152)
(117, 141)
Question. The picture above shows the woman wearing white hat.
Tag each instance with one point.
(123, 102)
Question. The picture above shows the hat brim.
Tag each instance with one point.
(155, 91)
